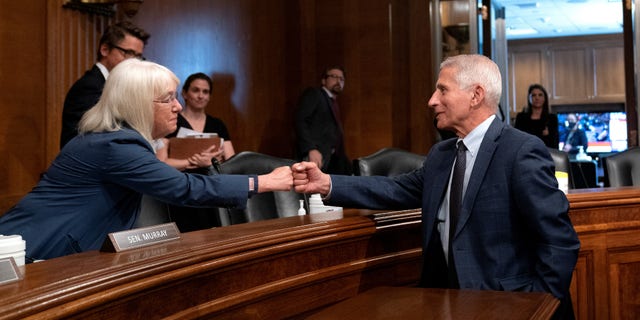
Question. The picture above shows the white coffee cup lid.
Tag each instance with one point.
(12, 243)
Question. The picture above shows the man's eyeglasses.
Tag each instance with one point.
(335, 76)
(167, 100)
(128, 53)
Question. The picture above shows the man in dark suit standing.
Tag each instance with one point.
(495, 220)
(319, 126)
(120, 41)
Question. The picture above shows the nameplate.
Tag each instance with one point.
(141, 237)
(9, 271)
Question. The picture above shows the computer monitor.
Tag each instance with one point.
(605, 131)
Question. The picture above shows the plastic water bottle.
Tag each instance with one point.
(302, 211)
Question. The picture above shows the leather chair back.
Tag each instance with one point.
(387, 162)
(622, 169)
(152, 212)
(268, 205)
(562, 163)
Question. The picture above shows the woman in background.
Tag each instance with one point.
(95, 185)
(196, 92)
(536, 118)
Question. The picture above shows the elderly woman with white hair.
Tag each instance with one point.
(95, 185)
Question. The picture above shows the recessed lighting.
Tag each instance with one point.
(521, 32)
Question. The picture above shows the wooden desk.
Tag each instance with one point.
(417, 303)
(294, 267)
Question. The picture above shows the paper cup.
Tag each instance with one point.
(563, 181)
(13, 246)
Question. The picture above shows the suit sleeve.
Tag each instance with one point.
(544, 212)
(133, 165)
(377, 192)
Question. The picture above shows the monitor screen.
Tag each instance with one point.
(595, 132)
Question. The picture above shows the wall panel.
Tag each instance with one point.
(22, 79)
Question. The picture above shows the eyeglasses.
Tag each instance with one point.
(128, 53)
(168, 100)
(335, 76)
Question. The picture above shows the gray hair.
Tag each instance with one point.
(475, 69)
(128, 98)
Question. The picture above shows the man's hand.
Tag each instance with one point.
(307, 178)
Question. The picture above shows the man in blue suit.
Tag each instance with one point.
(120, 41)
(511, 232)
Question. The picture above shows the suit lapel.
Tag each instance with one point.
(436, 179)
(480, 167)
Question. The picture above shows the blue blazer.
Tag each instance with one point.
(94, 187)
(514, 232)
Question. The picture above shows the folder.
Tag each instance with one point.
(183, 148)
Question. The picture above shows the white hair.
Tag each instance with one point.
(128, 97)
(475, 69)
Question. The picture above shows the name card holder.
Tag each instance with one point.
(140, 237)
(9, 271)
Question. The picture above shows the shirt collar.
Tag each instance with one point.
(103, 70)
(473, 140)
(328, 92)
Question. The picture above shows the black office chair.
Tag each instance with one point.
(152, 212)
(268, 205)
(622, 169)
(562, 163)
(387, 162)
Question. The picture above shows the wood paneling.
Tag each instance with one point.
(606, 62)
(263, 55)
(71, 50)
(569, 74)
(23, 83)
(526, 68)
(574, 70)
(606, 281)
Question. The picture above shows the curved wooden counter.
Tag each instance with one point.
(268, 269)
(293, 267)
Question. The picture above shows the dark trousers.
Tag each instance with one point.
(435, 274)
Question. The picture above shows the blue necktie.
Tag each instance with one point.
(455, 203)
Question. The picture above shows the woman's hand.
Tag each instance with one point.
(280, 179)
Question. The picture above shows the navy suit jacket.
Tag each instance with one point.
(83, 95)
(514, 232)
(94, 187)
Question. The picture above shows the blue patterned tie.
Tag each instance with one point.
(455, 203)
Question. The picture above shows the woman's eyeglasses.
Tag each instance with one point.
(167, 100)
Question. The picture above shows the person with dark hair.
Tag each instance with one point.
(493, 217)
(536, 118)
(196, 92)
(120, 41)
(319, 130)
(575, 137)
